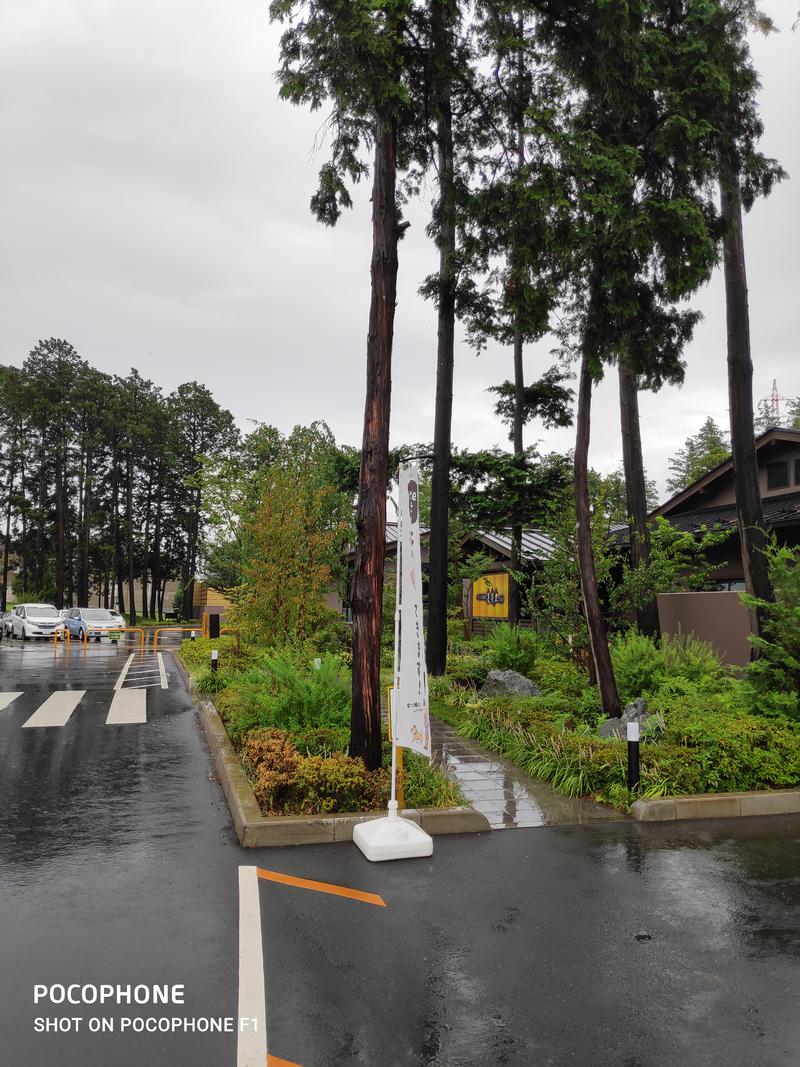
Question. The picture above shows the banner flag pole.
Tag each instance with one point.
(393, 837)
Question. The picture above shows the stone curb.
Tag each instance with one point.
(718, 806)
(254, 830)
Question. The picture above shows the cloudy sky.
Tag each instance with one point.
(154, 196)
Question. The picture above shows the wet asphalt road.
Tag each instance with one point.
(610, 943)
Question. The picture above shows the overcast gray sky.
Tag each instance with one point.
(155, 195)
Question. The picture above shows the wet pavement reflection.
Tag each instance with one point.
(502, 792)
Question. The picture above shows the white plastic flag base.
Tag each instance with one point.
(392, 838)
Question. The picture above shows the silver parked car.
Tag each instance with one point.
(93, 622)
(36, 620)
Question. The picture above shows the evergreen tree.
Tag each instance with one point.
(700, 454)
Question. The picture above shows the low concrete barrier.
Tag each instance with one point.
(718, 805)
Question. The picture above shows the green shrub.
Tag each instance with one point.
(773, 680)
(511, 648)
(561, 676)
(212, 681)
(321, 740)
(284, 695)
(467, 670)
(336, 783)
(426, 785)
(196, 655)
(643, 666)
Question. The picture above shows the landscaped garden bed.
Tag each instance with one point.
(287, 714)
(704, 730)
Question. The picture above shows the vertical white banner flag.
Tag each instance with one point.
(412, 727)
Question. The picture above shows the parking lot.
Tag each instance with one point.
(604, 943)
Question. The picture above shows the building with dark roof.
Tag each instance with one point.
(710, 502)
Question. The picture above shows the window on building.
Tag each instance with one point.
(777, 475)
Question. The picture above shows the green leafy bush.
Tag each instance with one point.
(336, 783)
(511, 648)
(467, 670)
(773, 680)
(643, 666)
(561, 676)
(287, 696)
(212, 681)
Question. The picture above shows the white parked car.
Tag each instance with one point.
(36, 620)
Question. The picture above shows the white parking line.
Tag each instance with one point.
(123, 673)
(8, 698)
(128, 706)
(251, 1048)
(57, 709)
(164, 682)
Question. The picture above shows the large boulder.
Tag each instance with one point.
(508, 684)
(612, 728)
(636, 711)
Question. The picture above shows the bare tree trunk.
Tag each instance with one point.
(636, 490)
(440, 480)
(60, 520)
(740, 395)
(156, 569)
(519, 369)
(367, 592)
(519, 460)
(86, 534)
(7, 544)
(131, 561)
(607, 683)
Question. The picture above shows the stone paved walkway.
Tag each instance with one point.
(502, 792)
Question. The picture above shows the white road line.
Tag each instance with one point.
(164, 682)
(57, 709)
(121, 679)
(8, 698)
(251, 1049)
(128, 706)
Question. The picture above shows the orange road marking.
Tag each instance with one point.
(276, 1061)
(321, 887)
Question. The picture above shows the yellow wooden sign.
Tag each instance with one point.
(490, 597)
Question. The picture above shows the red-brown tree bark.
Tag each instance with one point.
(740, 394)
(366, 600)
(598, 641)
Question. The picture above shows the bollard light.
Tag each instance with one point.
(633, 755)
(193, 635)
(214, 659)
(317, 663)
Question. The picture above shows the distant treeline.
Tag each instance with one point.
(101, 482)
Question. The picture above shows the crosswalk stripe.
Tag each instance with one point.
(57, 709)
(128, 706)
(119, 682)
(8, 698)
(164, 682)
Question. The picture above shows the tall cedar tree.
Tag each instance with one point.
(639, 161)
(355, 56)
(444, 19)
(510, 233)
(743, 174)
